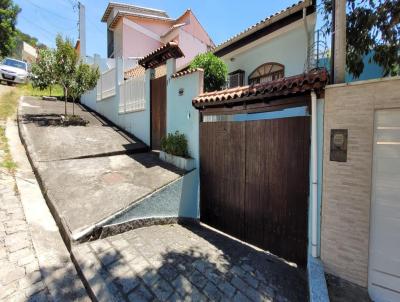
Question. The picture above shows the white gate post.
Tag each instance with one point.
(119, 78)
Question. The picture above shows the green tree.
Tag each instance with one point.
(66, 60)
(215, 70)
(8, 19)
(372, 25)
(86, 79)
(43, 70)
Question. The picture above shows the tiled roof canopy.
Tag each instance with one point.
(161, 55)
(299, 84)
(265, 26)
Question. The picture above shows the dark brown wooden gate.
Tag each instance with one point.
(255, 182)
(158, 108)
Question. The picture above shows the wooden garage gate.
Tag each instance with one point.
(255, 181)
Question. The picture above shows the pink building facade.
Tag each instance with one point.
(133, 32)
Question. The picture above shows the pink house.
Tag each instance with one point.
(133, 32)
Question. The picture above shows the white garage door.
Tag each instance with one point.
(384, 263)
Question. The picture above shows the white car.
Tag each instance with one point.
(14, 71)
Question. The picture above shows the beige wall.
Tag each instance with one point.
(347, 186)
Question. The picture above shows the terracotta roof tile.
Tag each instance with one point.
(316, 79)
(186, 72)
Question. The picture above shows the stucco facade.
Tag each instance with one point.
(347, 185)
(287, 46)
(137, 31)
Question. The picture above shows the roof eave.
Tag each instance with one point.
(111, 5)
(265, 23)
(121, 14)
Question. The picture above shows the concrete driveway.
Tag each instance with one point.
(50, 143)
(88, 172)
(185, 263)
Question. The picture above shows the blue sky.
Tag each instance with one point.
(221, 18)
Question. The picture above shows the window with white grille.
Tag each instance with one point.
(132, 95)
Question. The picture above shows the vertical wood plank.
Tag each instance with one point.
(254, 179)
(158, 98)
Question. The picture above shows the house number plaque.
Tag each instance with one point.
(338, 145)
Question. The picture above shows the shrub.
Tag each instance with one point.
(215, 70)
(175, 144)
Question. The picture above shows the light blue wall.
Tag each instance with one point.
(371, 69)
(289, 49)
(173, 200)
(183, 117)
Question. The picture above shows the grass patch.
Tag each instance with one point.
(8, 107)
(6, 160)
(9, 103)
(56, 91)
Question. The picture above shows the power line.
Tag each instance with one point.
(49, 33)
(49, 11)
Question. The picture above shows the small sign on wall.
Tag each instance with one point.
(339, 145)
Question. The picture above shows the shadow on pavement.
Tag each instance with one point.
(228, 271)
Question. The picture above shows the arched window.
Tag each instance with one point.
(267, 72)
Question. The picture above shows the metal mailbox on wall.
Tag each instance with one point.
(339, 145)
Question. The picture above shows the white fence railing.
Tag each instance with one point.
(132, 95)
(106, 85)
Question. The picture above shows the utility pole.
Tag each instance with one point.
(339, 41)
(82, 31)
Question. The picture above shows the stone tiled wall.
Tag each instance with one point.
(347, 186)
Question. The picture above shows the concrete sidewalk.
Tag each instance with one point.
(49, 143)
(35, 264)
(88, 173)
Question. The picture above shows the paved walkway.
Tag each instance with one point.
(34, 262)
(20, 277)
(185, 263)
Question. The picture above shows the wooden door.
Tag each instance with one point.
(158, 105)
(255, 182)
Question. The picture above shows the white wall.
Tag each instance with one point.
(287, 46)
(137, 123)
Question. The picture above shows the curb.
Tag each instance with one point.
(58, 219)
(318, 291)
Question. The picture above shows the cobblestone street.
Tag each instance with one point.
(185, 263)
(20, 277)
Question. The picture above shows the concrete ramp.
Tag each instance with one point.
(91, 179)
(85, 192)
